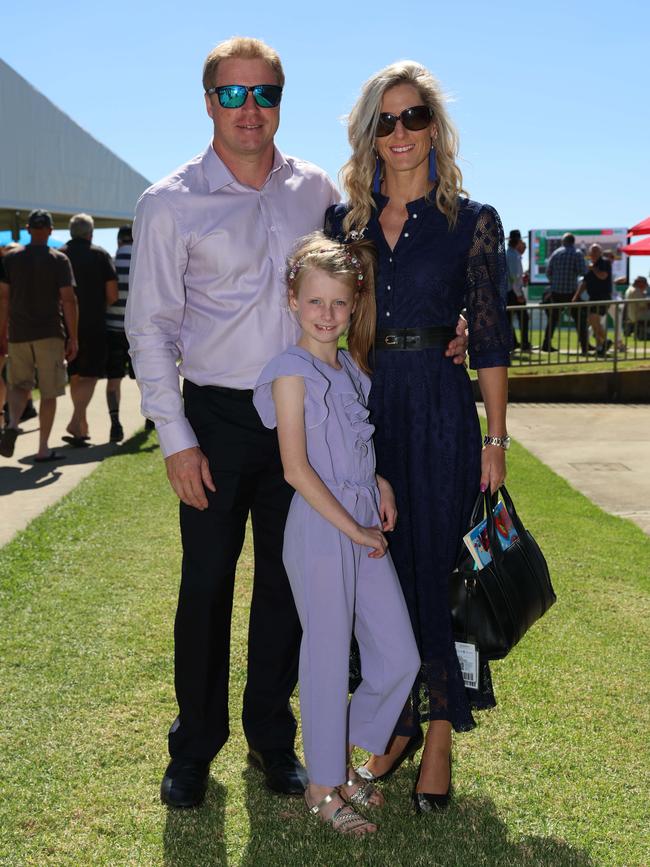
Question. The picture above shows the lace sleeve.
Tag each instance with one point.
(490, 332)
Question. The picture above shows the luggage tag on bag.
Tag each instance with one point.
(467, 654)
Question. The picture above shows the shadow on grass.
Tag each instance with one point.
(470, 832)
(196, 837)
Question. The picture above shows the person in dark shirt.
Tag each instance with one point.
(96, 290)
(564, 269)
(35, 288)
(598, 285)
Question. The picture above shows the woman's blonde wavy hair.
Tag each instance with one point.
(357, 174)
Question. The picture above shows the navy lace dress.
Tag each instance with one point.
(427, 433)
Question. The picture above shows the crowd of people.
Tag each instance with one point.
(62, 320)
(572, 279)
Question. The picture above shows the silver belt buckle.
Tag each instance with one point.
(391, 340)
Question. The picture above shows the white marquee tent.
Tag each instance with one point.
(48, 161)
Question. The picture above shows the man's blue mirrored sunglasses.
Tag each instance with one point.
(234, 95)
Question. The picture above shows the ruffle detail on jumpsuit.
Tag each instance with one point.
(354, 406)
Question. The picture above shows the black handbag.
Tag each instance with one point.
(495, 606)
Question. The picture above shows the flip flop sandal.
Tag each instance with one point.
(52, 456)
(76, 442)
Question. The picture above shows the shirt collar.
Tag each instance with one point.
(219, 175)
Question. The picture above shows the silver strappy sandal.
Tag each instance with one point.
(361, 797)
(345, 819)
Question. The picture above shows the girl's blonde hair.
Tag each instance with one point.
(357, 174)
(353, 264)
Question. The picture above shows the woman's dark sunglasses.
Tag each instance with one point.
(414, 118)
(235, 95)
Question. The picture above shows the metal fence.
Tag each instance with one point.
(575, 339)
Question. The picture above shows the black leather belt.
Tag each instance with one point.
(413, 338)
(231, 392)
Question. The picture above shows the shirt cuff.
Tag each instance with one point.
(176, 436)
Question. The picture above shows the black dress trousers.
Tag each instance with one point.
(247, 471)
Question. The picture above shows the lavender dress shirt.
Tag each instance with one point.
(207, 297)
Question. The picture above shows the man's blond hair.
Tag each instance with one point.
(244, 48)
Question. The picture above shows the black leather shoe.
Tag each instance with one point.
(427, 802)
(282, 770)
(185, 783)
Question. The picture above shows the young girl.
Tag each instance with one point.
(335, 555)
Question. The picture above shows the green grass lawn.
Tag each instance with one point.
(556, 775)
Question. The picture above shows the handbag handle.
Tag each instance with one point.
(489, 502)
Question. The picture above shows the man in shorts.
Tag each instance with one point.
(96, 289)
(35, 289)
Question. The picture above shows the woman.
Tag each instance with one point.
(438, 253)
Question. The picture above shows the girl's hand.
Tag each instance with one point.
(371, 537)
(493, 467)
(387, 506)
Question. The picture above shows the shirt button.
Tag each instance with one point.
(406, 234)
(390, 260)
(273, 228)
(387, 313)
(415, 216)
(388, 287)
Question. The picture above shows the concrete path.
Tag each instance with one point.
(27, 489)
(603, 450)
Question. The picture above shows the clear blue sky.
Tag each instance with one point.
(550, 98)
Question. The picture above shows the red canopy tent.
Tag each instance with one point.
(642, 228)
(639, 248)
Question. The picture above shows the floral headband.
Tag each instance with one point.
(350, 258)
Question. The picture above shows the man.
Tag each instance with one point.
(30, 410)
(35, 288)
(96, 288)
(207, 287)
(118, 363)
(565, 267)
(598, 285)
(516, 287)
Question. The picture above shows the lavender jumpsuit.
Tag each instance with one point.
(336, 586)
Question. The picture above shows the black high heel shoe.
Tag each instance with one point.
(414, 744)
(426, 802)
